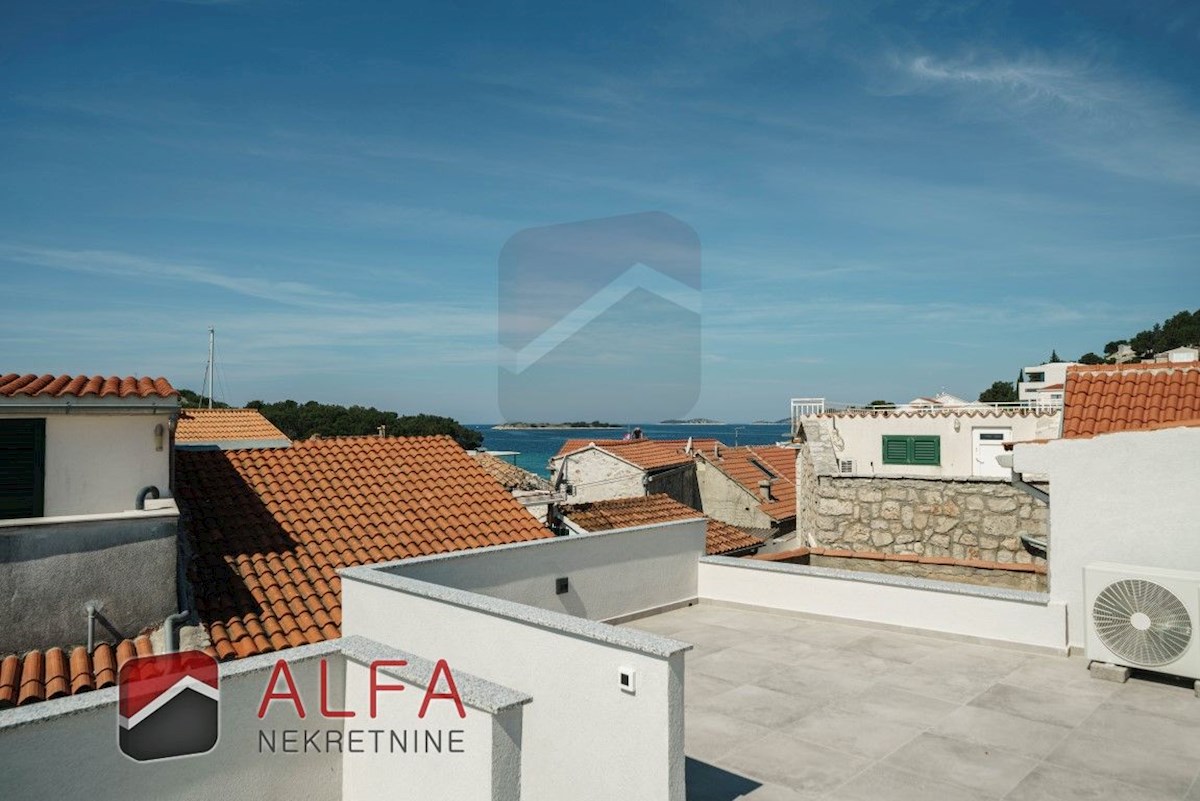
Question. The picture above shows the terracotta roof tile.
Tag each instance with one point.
(81, 386)
(263, 582)
(1130, 397)
(751, 464)
(225, 425)
(650, 509)
(648, 454)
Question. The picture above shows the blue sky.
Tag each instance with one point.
(891, 198)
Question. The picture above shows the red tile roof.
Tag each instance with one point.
(648, 454)
(81, 386)
(268, 530)
(751, 464)
(224, 425)
(651, 509)
(1129, 397)
(46, 675)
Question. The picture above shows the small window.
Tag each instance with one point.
(1035, 376)
(22, 467)
(920, 450)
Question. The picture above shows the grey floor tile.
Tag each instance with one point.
(762, 622)
(826, 685)
(759, 705)
(886, 782)
(848, 662)
(1124, 723)
(802, 767)
(854, 732)
(979, 767)
(1063, 674)
(709, 735)
(895, 647)
(1054, 783)
(1000, 730)
(1166, 700)
(732, 665)
(828, 635)
(897, 706)
(1046, 703)
(785, 650)
(1128, 761)
(697, 686)
(709, 636)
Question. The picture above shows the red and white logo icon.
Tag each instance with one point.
(168, 706)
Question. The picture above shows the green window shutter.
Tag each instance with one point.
(927, 450)
(22, 468)
(895, 450)
(922, 450)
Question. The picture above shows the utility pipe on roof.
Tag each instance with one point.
(151, 491)
(91, 626)
(169, 644)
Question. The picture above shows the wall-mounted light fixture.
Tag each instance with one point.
(159, 435)
(957, 425)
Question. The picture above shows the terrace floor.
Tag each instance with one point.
(781, 708)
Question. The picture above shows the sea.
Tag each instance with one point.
(535, 446)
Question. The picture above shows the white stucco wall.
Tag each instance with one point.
(1130, 498)
(599, 476)
(1001, 616)
(72, 752)
(97, 463)
(583, 737)
(860, 438)
(655, 567)
(725, 499)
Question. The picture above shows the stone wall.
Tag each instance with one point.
(960, 518)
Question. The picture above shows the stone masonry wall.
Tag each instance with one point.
(959, 518)
(967, 518)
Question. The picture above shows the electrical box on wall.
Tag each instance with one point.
(561, 586)
(628, 679)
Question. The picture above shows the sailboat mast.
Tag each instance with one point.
(209, 371)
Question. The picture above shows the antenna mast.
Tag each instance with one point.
(208, 372)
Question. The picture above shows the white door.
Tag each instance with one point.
(989, 443)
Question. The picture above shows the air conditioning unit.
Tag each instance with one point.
(1143, 617)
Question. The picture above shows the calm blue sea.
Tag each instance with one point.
(536, 446)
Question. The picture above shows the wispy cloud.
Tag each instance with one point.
(1124, 124)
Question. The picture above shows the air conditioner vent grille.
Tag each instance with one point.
(1142, 622)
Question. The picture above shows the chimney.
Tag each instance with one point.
(764, 489)
(382, 430)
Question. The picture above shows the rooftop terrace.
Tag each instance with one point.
(781, 708)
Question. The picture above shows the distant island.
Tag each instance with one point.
(693, 421)
(576, 424)
(783, 422)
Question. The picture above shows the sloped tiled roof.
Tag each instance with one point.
(50, 674)
(268, 530)
(1128, 397)
(225, 425)
(508, 474)
(82, 386)
(648, 454)
(650, 509)
(750, 464)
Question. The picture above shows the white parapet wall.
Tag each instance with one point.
(67, 748)
(987, 614)
(610, 575)
(588, 735)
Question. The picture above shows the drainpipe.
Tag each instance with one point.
(143, 493)
(169, 645)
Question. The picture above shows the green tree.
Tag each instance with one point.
(881, 404)
(999, 392)
(1091, 358)
(310, 419)
(193, 400)
(1054, 359)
